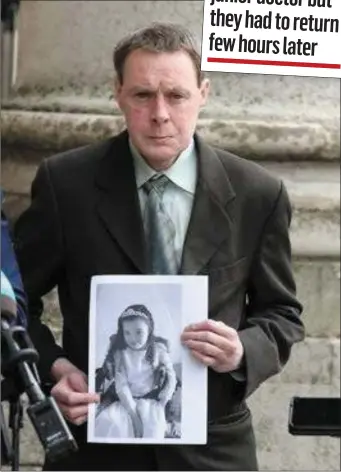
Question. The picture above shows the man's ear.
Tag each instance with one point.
(204, 91)
(117, 89)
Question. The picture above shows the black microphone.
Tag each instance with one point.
(18, 358)
(16, 347)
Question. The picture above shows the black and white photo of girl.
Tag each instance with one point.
(139, 378)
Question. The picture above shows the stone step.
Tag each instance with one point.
(318, 289)
(251, 138)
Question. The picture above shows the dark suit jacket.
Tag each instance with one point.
(85, 220)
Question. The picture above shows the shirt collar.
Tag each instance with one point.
(182, 173)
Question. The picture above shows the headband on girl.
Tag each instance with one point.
(132, 312)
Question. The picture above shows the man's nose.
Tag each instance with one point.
(160, 113)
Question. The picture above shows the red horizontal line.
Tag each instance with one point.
(274, 63)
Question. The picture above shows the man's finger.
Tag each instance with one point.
(196, 326)
(217, 327)
(77, 421)
(80, 420)
(206, 349)
(206, 360)
(74, 398)
(208, 337)
(74, 412)
(77, 382)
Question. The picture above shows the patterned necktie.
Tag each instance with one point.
(160, 230)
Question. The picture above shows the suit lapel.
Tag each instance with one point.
(210, 222)
(118, 206)
(119, 210)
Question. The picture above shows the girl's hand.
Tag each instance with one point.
(137, 425)
(163, 401)
(176, 430)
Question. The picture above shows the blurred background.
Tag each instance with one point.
(56, 93)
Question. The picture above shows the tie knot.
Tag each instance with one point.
(158, 183)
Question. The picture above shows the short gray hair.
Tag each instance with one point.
(159, 37)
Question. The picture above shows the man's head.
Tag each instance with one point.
(160, 90)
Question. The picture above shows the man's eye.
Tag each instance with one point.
(142, 95)
(176, 96)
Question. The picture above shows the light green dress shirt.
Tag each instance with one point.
(179, 194)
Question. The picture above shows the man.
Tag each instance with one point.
(98, 209)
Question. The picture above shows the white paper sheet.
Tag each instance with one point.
(174, 302)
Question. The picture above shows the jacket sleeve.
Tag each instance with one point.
(273, 322)
(10, 268)
(39, 248)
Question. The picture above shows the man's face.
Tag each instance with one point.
(160, 99)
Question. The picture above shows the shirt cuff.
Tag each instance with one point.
(240, 373)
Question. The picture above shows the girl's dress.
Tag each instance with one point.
(135, 382)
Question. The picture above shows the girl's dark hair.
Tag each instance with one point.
(117, 341)
(120, 343)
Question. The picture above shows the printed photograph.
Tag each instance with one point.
(147, 380)
(138, 372)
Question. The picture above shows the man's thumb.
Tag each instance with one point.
(77, 381)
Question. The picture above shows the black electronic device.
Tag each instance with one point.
(315, 416)
(19, 376)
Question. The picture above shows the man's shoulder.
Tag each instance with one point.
(75, 169)
(80, 157)
(243, 167)
(244, 174)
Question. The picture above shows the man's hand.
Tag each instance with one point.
(215, 344)
(71, 391)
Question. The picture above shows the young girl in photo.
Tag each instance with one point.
(139, 364)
